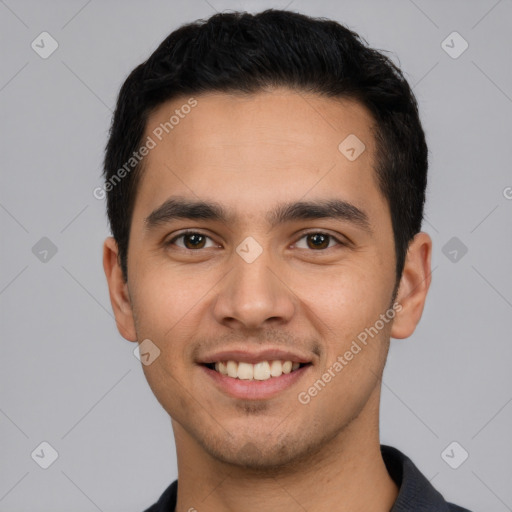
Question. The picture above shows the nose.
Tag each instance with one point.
(253, 296)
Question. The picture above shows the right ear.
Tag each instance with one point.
(118, 290)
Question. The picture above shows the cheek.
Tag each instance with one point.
(169, 305)
(165, 382)
(165, 297)
(344, 300)
(165, 305)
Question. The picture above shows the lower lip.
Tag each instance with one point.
(255, 389)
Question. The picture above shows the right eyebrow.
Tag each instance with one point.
(178, 208)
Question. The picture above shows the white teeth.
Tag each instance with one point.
(287, 367)
(232, 369)
(221, 368)
(276, 368)
(263, 370)
(245, 371)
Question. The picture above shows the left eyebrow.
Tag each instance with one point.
(180, 208)
(321, 209)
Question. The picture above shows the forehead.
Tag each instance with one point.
(251, 150)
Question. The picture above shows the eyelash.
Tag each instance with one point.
(303, 235)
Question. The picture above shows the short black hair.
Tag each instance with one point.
(238, 52)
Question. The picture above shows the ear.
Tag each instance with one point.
(118, 290)
(414, 285)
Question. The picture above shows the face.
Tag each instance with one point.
(261, 271)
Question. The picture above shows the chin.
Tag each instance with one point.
(261, 455)
(250, 457)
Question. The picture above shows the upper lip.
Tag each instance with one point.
(255, 356)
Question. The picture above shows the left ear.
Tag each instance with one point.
(414, 285)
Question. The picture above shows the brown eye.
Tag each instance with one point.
(318, 241)
(191, 240)
(194, 241)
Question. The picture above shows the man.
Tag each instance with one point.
(266, 180)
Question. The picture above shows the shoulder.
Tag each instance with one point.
(415, 491)
(456, 508)
(167, 501)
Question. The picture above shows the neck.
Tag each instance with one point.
(345, 474)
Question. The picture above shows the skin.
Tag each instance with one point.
(251, 152)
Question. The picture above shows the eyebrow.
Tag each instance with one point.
(179, 208)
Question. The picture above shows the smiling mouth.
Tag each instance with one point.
(263, 370)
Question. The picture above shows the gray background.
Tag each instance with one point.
(67, 376)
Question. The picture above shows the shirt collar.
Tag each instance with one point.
(415, 491)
